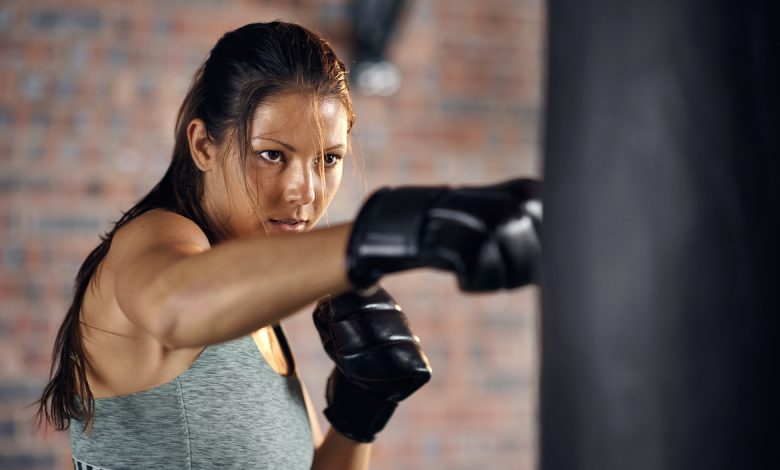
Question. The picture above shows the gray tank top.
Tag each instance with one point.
(230, 409)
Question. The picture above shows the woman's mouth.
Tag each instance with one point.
(288, 225)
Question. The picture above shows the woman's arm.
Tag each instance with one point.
(339, 452)
(185, 294)
(335, 451)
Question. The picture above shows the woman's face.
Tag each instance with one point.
(290, 134)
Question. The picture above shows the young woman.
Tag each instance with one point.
(171, 354)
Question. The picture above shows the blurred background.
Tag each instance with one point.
(89, 92)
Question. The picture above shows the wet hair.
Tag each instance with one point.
(244, 69)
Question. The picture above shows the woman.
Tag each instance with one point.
(171, 355)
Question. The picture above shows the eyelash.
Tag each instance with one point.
(337, 157)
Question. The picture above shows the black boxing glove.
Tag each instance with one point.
(378, 361)
(489, 236)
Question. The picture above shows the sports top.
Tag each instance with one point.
(230, 409)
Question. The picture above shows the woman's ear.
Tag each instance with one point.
(202, 150)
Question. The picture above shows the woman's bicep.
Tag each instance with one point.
(143, 250)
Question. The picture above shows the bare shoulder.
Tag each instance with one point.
(124, 356)
(140, 251)
(158, 227)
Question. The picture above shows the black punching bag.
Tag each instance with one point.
(660, 314)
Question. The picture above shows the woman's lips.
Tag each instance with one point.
(288, 225)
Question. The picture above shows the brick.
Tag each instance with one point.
(6, 118)
(69, 223)
(78, 55)
(13, 257)
(7, 429)
(33, 86)
(24, 461)
(53, 19)
(6, 18)
(17, 392)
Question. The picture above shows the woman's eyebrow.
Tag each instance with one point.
(291, 148)
(283, 144)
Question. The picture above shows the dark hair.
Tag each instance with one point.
(244, 69)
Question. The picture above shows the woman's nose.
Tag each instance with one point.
(299, 184)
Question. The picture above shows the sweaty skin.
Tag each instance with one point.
(163, 293)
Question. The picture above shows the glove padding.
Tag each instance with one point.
(378, 361)
(489, 236)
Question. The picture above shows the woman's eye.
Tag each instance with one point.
(332, 159)
(272, 156)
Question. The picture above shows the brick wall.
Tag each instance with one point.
(88, 96)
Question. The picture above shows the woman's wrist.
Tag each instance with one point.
(337, 451)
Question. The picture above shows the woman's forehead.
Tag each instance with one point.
(289, 111)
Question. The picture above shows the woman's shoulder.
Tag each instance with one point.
(160, 226)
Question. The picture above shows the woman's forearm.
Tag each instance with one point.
(241, 285)
(342, 453)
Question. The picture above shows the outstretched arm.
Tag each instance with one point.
(169, 282)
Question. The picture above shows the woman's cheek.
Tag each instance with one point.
(333, 181)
